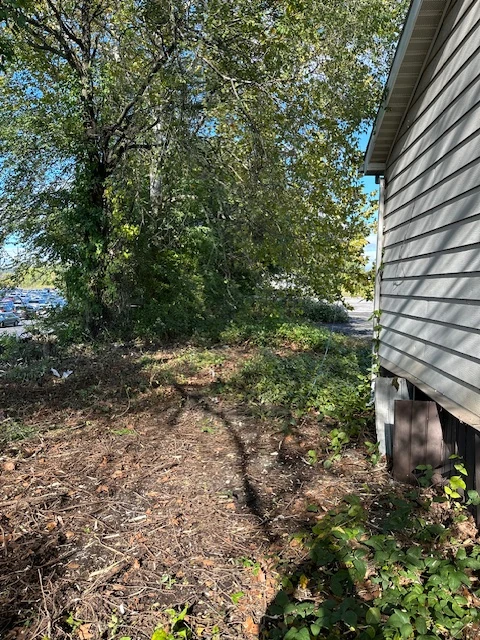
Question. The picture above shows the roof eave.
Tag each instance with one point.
(414, 10)
(423, 20)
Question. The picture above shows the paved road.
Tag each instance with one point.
(22, 328)
(360, 318)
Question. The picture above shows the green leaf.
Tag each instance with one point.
(350, 619)
(161, 634)
(282, 599)
(456, 482)
(454, 580)
(461, 469)
(398, 619)
(237, 596)
(421, 625)
(373, 616)
(406, 630)
(474, 497)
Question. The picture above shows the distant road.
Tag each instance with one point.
(23, 327)
(361, 323)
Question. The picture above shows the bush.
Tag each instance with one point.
(319, 310)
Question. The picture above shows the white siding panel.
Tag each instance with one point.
(455, 18)
(462, 315)
(463, 341)
(459, 262)
(459, 31)
(430, 286)
(452, 365)
(419, 163)
(453, 388)
(460, 55)
(448, 288)
(466, 101)
(460, 234)
(426, 176)
(466, 179)
(451, 93)
(461, 208)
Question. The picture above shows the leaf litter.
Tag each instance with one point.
(139, 494)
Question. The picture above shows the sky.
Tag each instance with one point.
(369, 186)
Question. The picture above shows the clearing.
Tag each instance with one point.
(154, 479)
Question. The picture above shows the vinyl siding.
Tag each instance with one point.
(430, 280)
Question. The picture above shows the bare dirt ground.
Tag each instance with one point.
(135, 493)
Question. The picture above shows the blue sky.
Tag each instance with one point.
(369, 186)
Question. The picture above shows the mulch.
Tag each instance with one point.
(138, 495)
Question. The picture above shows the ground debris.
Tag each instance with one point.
(140, 493)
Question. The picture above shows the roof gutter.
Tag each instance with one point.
(404, 41)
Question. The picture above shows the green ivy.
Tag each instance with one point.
(420, 586)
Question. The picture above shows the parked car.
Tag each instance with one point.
(7, 305)
(9, 319)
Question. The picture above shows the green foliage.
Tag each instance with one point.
(237, 596)
(419, 584)
(186, 364)
(324, 372)
(373, 452)
(311, 309)
(25, 360)
(177, 628)
(166, 177)
(12, 430)
(338, 439)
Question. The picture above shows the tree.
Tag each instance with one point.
(208, 139)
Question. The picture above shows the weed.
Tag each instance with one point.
(73, 623)
(167, 581)
(123, 432)
(114, 624)
(12, 430)
(400, 581)
(338, 439)
(331, 384)
(236, 597)
(177, 628)
(373, 453)
(248, 563)
(207, 426)
(178, 370)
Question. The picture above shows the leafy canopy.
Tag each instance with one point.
(165, 142)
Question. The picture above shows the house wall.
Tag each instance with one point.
(430, 275)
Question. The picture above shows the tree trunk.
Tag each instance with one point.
(97, 238)
(156, 182)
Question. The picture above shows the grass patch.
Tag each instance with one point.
(190, 362)
(322, 371)
(13, 430)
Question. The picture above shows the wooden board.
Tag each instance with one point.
(417, 438)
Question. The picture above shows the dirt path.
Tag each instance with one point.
(138, 494)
